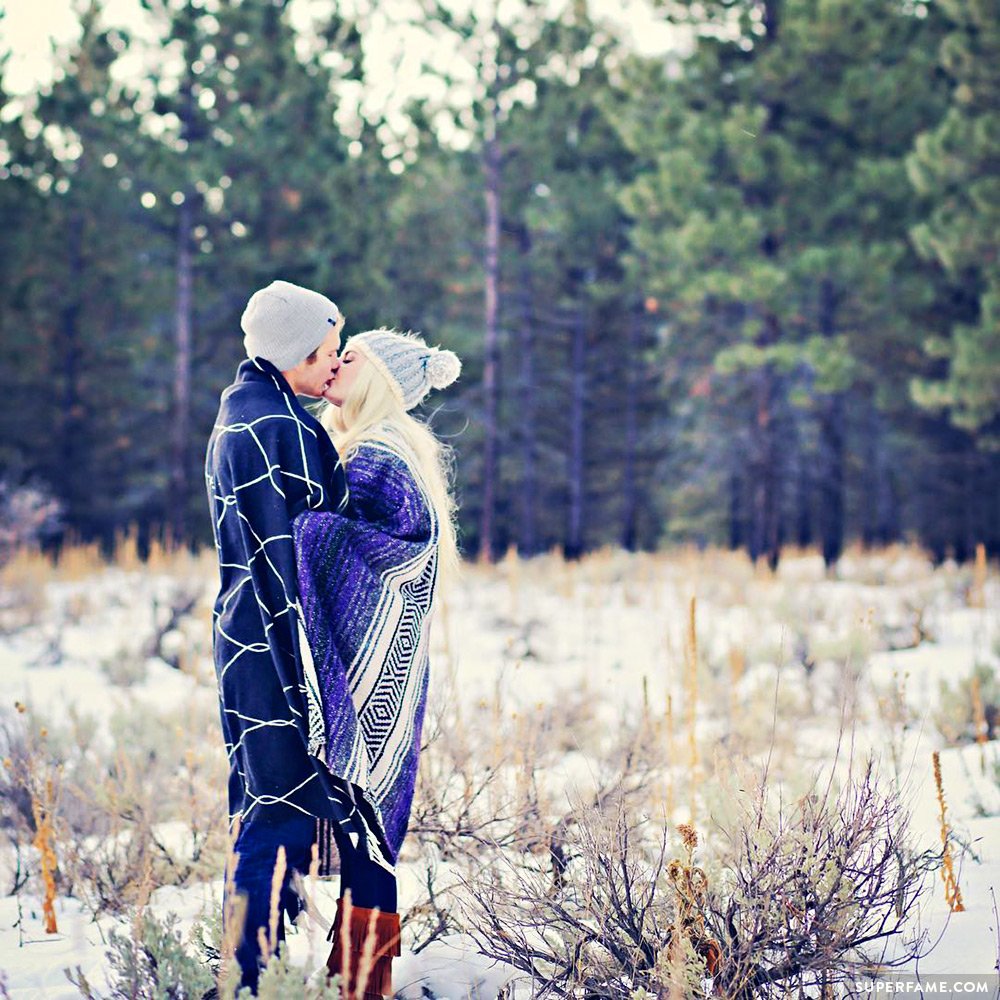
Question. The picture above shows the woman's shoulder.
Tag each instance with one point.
(377, 459)
(385, 445)
(375, 453)
(386, 464)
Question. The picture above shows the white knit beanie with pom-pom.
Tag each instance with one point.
(411, 367)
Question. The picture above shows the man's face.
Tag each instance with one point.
(312, 376)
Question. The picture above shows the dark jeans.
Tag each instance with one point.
(257, 847)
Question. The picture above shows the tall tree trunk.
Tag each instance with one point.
(832, 433)
(491, 171)
(969, 481)
(772, 18)
(630, 491)
(989, 514)
(763, 469)
(880, 512)
(759, 462)
(72, 476)
(575, 463)
(735, 503)
(803, 495)
(180, 482)
(526, 404)
(764, 512)
(181, 428)
(831, 483)
(871, 479)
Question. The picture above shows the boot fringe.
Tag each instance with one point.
(384, 947)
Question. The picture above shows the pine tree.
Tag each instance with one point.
(74, 301)
(957, 165)
(771, 220)
(502, 53)
(251, 176)
(581, 398)
(21, 205)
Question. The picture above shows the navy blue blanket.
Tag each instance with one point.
(268, 460)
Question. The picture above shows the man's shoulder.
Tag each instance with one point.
(251, 415)
(259, 400)
(249, 400)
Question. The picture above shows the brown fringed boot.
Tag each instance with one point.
(351, 927)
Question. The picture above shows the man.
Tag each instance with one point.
(268, 461)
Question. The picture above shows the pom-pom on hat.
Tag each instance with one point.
(411, 367)
(285, 323)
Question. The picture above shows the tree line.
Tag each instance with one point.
(745, 292)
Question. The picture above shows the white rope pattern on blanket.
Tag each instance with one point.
(342, 797)
(253, 646)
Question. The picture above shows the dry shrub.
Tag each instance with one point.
(811, 893)
(28, 515)
(798, 897)
(472, 819)
(606, 917)
(483, 789)
(952, 892)
(137, 799)
(462, 803)
(22, 590)
(969, 710)
(31, 802)
(151, 963)
(155, 961)
(142, 809)
(79, 561)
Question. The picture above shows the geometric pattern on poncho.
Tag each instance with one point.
(267, 460)
(367, 586)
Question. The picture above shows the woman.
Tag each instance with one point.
(366, 582)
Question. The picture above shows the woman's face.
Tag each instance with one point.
(345, 371)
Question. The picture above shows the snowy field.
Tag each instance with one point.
(539, 669)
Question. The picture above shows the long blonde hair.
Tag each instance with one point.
(371, 412)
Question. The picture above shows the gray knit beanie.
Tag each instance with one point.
(285, 323)
(411, 367)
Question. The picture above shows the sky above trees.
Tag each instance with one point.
(30, 39)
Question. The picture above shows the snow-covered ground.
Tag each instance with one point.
(605, 636)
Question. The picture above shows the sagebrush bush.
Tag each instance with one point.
(796, 897)
(153, 962)
(814, 890)
(969, 710)
(606, 913)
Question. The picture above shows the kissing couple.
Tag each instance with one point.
(331, 534)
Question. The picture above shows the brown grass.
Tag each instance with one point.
(45, 843)
(952, 892)
(977, 592)
(691, 679)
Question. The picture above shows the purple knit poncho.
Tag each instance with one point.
(366, 584)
